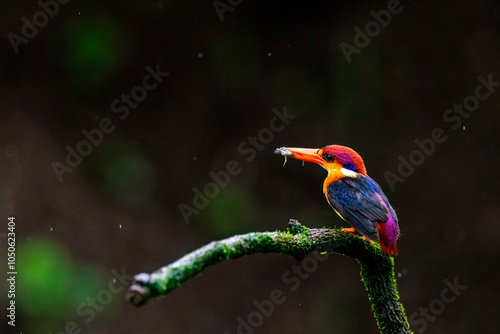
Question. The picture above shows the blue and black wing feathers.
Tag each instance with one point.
(356, 201)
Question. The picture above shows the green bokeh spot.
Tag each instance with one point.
(123, 170)
(355, 88)
(298, 88)
(232, 210)
(50, 285)
(95, 46)
(44, 278)
(236, 61)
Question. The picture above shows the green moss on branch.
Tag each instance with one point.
(377, 269)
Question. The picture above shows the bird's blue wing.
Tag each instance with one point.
(356, 201)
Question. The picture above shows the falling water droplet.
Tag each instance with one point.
(463, 128)
(51, 229)
(403, 272)
(200, 55)
(120, 225)
(269, 54)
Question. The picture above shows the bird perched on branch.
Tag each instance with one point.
(354, 196)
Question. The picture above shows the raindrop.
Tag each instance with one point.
(463, 128)
(120, 225)
(51, 229)
(269, 54)
(194, 158)
(114, 280)
(200, 55)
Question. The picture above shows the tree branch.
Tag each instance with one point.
(377, 269)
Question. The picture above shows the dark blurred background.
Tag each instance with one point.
(118, 209)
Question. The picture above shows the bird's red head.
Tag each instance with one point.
(331, 157)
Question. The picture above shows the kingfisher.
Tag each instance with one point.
(354, 196)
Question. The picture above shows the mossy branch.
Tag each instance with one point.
(377, 269)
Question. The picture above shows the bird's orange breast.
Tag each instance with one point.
(336, 173)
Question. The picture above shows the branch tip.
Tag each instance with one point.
(377, 270)
(137, 295)
(295, 227)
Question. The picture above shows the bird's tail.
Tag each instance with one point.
(388, 237)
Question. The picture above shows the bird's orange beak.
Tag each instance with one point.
(304, 154)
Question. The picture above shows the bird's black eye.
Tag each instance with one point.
(328, 157)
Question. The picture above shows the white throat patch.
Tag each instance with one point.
(348, 172)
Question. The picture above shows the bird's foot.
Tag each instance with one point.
(351, 230)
